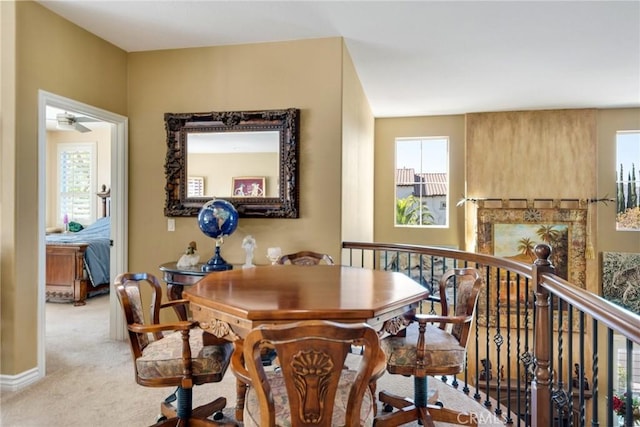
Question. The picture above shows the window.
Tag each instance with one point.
(422, 182)
(195, 186)
(628, 181)
(76, 177)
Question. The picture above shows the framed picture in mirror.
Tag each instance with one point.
(248, 186)
(222, 146)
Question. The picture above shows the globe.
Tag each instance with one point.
(217, 218)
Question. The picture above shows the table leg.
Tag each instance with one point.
(174, 292)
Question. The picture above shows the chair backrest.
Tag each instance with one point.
(312, 358)
(464, 285)
(306, 258)
(130, 295)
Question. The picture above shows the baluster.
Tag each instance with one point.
(595, 369)
(498, 340)
(487, 402)
(508, 419)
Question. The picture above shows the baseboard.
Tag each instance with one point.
(20, 381)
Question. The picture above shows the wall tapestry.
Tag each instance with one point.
(621, 279)
(512, 233)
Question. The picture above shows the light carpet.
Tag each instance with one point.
(90, 380)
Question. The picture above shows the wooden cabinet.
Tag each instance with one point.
(65, 279)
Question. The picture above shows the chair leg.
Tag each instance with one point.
(241, 392)
(185, 403)
(212, 408)
(419, 409)
(175, 417)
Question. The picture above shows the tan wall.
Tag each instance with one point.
(555, 150)
(56, 56)
(219, 169)
(8, 332)
(386, 130)
(299, 74)
(357, 158)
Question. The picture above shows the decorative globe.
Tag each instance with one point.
(217, 219)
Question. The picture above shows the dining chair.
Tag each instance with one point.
(177, 354)
(434, 344)
(312, 387)
(306, 258)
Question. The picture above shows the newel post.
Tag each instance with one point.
(541, 383)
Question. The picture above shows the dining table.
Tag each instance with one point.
(229, 304)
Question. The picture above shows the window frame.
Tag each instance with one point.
(441, 215)
(626, 181)
(70, 147)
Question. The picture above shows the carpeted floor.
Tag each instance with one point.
(90, 380)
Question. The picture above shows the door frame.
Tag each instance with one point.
(118, 209)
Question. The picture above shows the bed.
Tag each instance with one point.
(78, 264)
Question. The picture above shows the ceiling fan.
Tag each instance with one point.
(67, 121)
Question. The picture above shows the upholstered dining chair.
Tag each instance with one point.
(312, 387)
(305, 258)
(434, 344)
(177, 354)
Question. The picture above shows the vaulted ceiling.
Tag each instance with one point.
(415, 58)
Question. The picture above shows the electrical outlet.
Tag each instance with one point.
(171, 224)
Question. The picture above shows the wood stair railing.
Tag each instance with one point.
(538, 344)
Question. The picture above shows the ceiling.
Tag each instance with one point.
(415, 58)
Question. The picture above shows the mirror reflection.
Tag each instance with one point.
(238, 156)
(249, 158)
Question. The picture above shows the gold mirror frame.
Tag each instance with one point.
(179, 125)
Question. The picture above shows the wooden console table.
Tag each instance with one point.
(177, 278)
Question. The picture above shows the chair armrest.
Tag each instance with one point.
(380, 366)
(436, 318)
(172, 303)
(177, 326)
(433, 298)
(237, 363)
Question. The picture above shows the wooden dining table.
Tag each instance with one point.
(231, 303)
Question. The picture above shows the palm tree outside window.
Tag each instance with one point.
(422, 182)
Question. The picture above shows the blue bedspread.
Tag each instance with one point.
(97, 255)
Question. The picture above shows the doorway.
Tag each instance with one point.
(118, 210)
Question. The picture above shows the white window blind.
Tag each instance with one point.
(195, 186)
(76, 176)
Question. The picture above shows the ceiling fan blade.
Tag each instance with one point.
(84, 119)
(81, 128)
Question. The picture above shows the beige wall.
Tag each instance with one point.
(357, 158)
(299, 74)
(386, 130)
(79, 66)
(219, 169)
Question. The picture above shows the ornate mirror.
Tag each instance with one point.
(249, 158)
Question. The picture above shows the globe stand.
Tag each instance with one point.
(217, 263)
